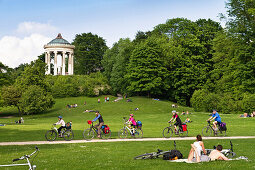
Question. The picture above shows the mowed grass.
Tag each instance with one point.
(119, 155)
(153, 114)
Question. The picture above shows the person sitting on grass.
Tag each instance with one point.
(132, 123)
(195, 152)
(62, 123)
(100, 123)
(215, 116)
(178, 121)
(217, 155)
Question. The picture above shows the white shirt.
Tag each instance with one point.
(198, 148)
(61, 122)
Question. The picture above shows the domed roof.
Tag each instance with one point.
(58, 40)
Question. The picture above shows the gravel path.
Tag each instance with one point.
(118, 140)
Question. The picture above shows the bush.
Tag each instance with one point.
(248, 103)
(35, 100)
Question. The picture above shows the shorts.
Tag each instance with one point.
(133, 125)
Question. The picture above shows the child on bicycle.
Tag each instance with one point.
(62, 123)
(100, 123)
(132, 123)
(215, 116)
(178, 121)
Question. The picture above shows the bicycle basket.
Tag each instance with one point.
(89, 122)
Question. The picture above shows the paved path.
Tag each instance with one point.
(118, 140)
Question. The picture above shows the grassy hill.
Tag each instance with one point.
(153, 114)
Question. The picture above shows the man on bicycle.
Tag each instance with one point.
(100, 124)
(215, 116)
(62, 123)
(178, 121)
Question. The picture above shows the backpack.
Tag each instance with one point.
(223, 126)
(139, 124)
(172, 155)
(106, 129)
(68, 125)
(184, 127)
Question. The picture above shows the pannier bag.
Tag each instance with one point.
(106, 129)
(184, 127)
(139, 124)
(223, 126)
(68, 125)
(173, 155)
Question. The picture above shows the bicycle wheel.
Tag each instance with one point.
(207, 131)
(105, 135)
(221, 133)
(167, 132)
(144, 156)
(88, 134)
(123, 133)
(51, 135)
(138, 133)
(230, 154)
(183, 133)
(68, 135)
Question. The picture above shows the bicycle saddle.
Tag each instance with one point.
(160, 150)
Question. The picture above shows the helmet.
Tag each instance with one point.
(214, 110)
(131, 115)
(174, 111)
(60, 117)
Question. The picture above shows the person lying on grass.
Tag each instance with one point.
(62, 123)
(196, 148)
(100, 124)
(217, 155)
(178, 121)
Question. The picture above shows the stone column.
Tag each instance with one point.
(63, 63)
(55, 63)
(69, 63)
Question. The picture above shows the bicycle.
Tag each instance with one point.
(89, 133)
(66, 133)
(154, 155)
(169, 130)
(125, 131)
(30, 164)
(208, 130)
(229, 153)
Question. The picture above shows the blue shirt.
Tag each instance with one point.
(218, 119)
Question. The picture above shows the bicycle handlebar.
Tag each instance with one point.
(26, 156)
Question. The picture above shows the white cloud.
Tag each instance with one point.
(15, 51)
(28, 28)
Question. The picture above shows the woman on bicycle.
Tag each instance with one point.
(62, 123)
(215, 116)
(178, 121)
(100, 124)
(132, 123)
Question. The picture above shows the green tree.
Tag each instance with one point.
(88, 53)
(146, 74)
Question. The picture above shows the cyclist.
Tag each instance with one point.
(62, 123)
(132, 123)
(178, 121)
(100, 124)
(217, 120)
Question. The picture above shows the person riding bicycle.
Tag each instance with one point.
(132, 123)
(62, 123)
(215, 116)
(178, 121)
(100, 124)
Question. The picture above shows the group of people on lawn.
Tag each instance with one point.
(196, 148)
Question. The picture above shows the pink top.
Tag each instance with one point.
(132, 120)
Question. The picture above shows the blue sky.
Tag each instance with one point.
(28, 24)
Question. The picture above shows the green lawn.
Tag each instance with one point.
(119, 155)
(153, 114)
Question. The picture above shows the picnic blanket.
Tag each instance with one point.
(186, 160)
